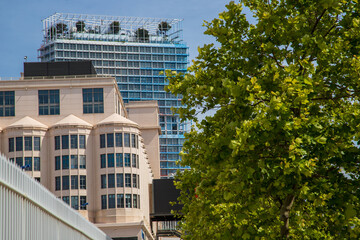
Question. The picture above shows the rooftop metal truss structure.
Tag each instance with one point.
(111, 28)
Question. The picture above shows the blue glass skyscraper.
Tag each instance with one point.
(136, 51)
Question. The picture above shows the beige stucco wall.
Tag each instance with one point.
(26, 98)
(146, 113)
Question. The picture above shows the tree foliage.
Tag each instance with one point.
(115, 27)
(61, 28)
(80, 26)
(164, 27)
(142, 34)
(279, 158)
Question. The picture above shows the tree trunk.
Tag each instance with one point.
(285, 214)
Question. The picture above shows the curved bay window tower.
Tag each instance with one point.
(69, 166)
(23, 140)
(121, 166)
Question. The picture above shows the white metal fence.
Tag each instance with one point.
(29, 211)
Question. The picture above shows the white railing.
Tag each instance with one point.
(9, 78)
(168, 225)
(29, 211)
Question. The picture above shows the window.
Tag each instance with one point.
(57, 184)
(102, 140)
(19, 144)
(133, 141)
(110, 160)
(19, 161)
(74, 141)
(65, 141)
(118, 139)
(119, 180)
(111, 180)
(49, 103)
(119, 160)
(83, 203)
(127, 180)
(28, 163)
(74, 182)
(28, 143)
(36, 164)
(82, 182)
(137, 141)
(65, 162)
(82, 161)
(103, 181)
(7, 103)
(82, 141)
(120, 200)
(111, 200)
(137, 161)
(36, 143)
(103, 202)
(134, 180)
(110, 139)
(128, 200)
(126, 139)
(133, 160)
(138, 180)
(93, 101)
(74, 162)
(127, 159)
(135, 201)
(11, 144)
(75, 202)
(57, 142)
(66, 199)
(65, 182)
(103, 161)
(57, 163)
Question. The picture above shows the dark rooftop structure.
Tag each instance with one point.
(37, 69)
(165, 193)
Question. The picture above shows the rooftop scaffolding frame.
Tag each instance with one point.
(111, 28)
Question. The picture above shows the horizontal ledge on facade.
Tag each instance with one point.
(117, 124)
(24, 128)
(71, 126)
(127, 224)
(142, 104)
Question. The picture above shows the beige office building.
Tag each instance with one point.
(75, 136)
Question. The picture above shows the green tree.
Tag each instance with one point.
(142, 34)
(164, 27)
(279, 158)
(80, 26)
(61, 28)
(114, 27)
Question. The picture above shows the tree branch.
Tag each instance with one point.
(277, 62)
(332, 27)
(317, 21)
(285, 214)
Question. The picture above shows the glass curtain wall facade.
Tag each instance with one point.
(136, 53)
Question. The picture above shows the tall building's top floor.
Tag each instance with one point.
(112, 28)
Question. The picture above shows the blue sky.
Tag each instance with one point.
(20, 22)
